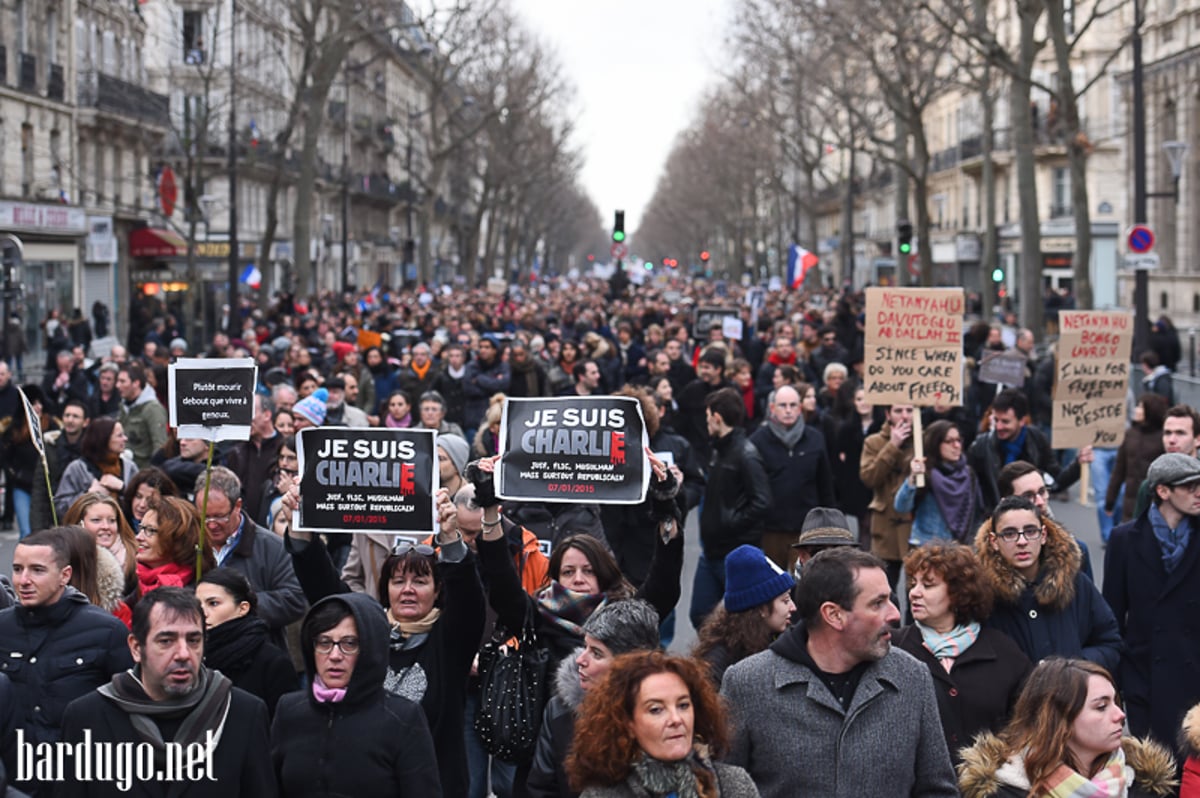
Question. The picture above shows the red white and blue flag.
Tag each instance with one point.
(800, 260)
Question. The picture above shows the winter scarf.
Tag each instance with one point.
(789, 437)
(421, 371)
(228, 645)
(949, 646)
(410, 634)
(168, 575)
(326, 695)
(568, 609)
(1110, 782)
(1013, 449)
(203, 710)
(957, 494)
(403, 423)
(1173, 542)
(671, 778)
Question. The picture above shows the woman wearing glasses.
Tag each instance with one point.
(166, 545)
(346, 734)
(435, 607)
(946, 508)
(1043, 601)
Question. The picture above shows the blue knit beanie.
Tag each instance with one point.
(312, 407)
(752, 579)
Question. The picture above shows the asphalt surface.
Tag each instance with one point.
(1080, 520)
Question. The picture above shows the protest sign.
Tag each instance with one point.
(913, 353)
(1092, 363)
(34, 420)
(360, 479)
(707, 316)
(578, 449)
(1004, 368)
(212, 398)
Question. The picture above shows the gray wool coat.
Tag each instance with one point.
(793, 738)
(733, 783)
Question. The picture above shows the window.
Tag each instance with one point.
(22, 26)
(26, 159)
(1061, 192)
(1164, 300)
(193, 37)
(52, 35)
(1069, 16)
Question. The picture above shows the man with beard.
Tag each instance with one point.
(170, 696)
(831, 695)
(339, 412)
(529, 379)
(798, 467)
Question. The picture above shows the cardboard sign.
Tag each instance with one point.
(913, 353)
(212, 398)
(356, 479)
(1092, 379)
(35, 424)
(1006, 368)
(707, 316)
(579, 449)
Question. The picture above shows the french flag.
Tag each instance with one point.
(800, 260)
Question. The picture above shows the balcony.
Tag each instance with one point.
(1060, 211)
(116, 96)
(56, 84)
(27, 72)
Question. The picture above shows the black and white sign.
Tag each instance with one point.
(35, 424)
(355, 479)
(1007, 368)
(212, 398)
(578, 449)
(707, 316)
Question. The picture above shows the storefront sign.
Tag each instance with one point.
(55, 219)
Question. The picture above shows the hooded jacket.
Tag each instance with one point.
(145, 422)
(1189, 747)
(1061, 612)
(371, 743)
(987, 773)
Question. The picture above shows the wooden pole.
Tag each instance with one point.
(918, 443)
(200, 544)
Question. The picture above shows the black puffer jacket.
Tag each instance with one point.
(371, 743)
(56, 654)
(738, 497)
(986, 456)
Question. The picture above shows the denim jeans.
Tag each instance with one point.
(502, 773)
(708, 588)
(1102, 468)
(21, 503)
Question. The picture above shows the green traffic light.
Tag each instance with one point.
(997, 275)
(649, 266)
(618, 235)
(905, 248)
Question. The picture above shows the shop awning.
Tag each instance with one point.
(156, 242)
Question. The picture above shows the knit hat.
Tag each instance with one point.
(178, 343)
(624, 626)
(312, 407)
(825, 526)
(456, 449)
(1172, 469)
(752, 579)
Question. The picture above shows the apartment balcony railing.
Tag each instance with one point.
(106, 93)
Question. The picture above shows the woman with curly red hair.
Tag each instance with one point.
(166, 545)
(977, 672)
(652, 727)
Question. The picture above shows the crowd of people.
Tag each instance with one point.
(159, 592)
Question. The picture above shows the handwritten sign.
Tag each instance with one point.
(582, 449)
(212, 398)
(1007, 368)
(913, 353)
(1092, 378)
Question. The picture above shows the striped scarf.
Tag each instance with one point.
(950, 646)
(1111, 782)
(568, 609)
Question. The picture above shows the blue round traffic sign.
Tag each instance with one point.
(1141, 239)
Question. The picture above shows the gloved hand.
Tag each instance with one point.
(485, 487)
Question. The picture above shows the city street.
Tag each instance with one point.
(1078, 519)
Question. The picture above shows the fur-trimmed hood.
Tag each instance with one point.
(1189, 735)
(566, 680)
(1059, 565)
(110, 579)
(985, 769)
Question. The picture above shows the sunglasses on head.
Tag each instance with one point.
(403, 547)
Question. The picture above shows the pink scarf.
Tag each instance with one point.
(326, 695)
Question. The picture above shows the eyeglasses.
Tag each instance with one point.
(1010, 534)
(220, 519)
(347, 645)
(1041, 493)
(405, 546)
(150, 531)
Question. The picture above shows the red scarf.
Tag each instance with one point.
(169, 575)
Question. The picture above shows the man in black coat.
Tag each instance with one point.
(797, 465)
(254, 460)
(172, 698)
(710, 377)
(735, 503)
(54, 646)
(1152, 583)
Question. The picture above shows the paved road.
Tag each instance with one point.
(1077, 518)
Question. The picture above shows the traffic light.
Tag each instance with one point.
(619, 226)
(997, 275)
(904, 236)
(649, 265)
(704, 256)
